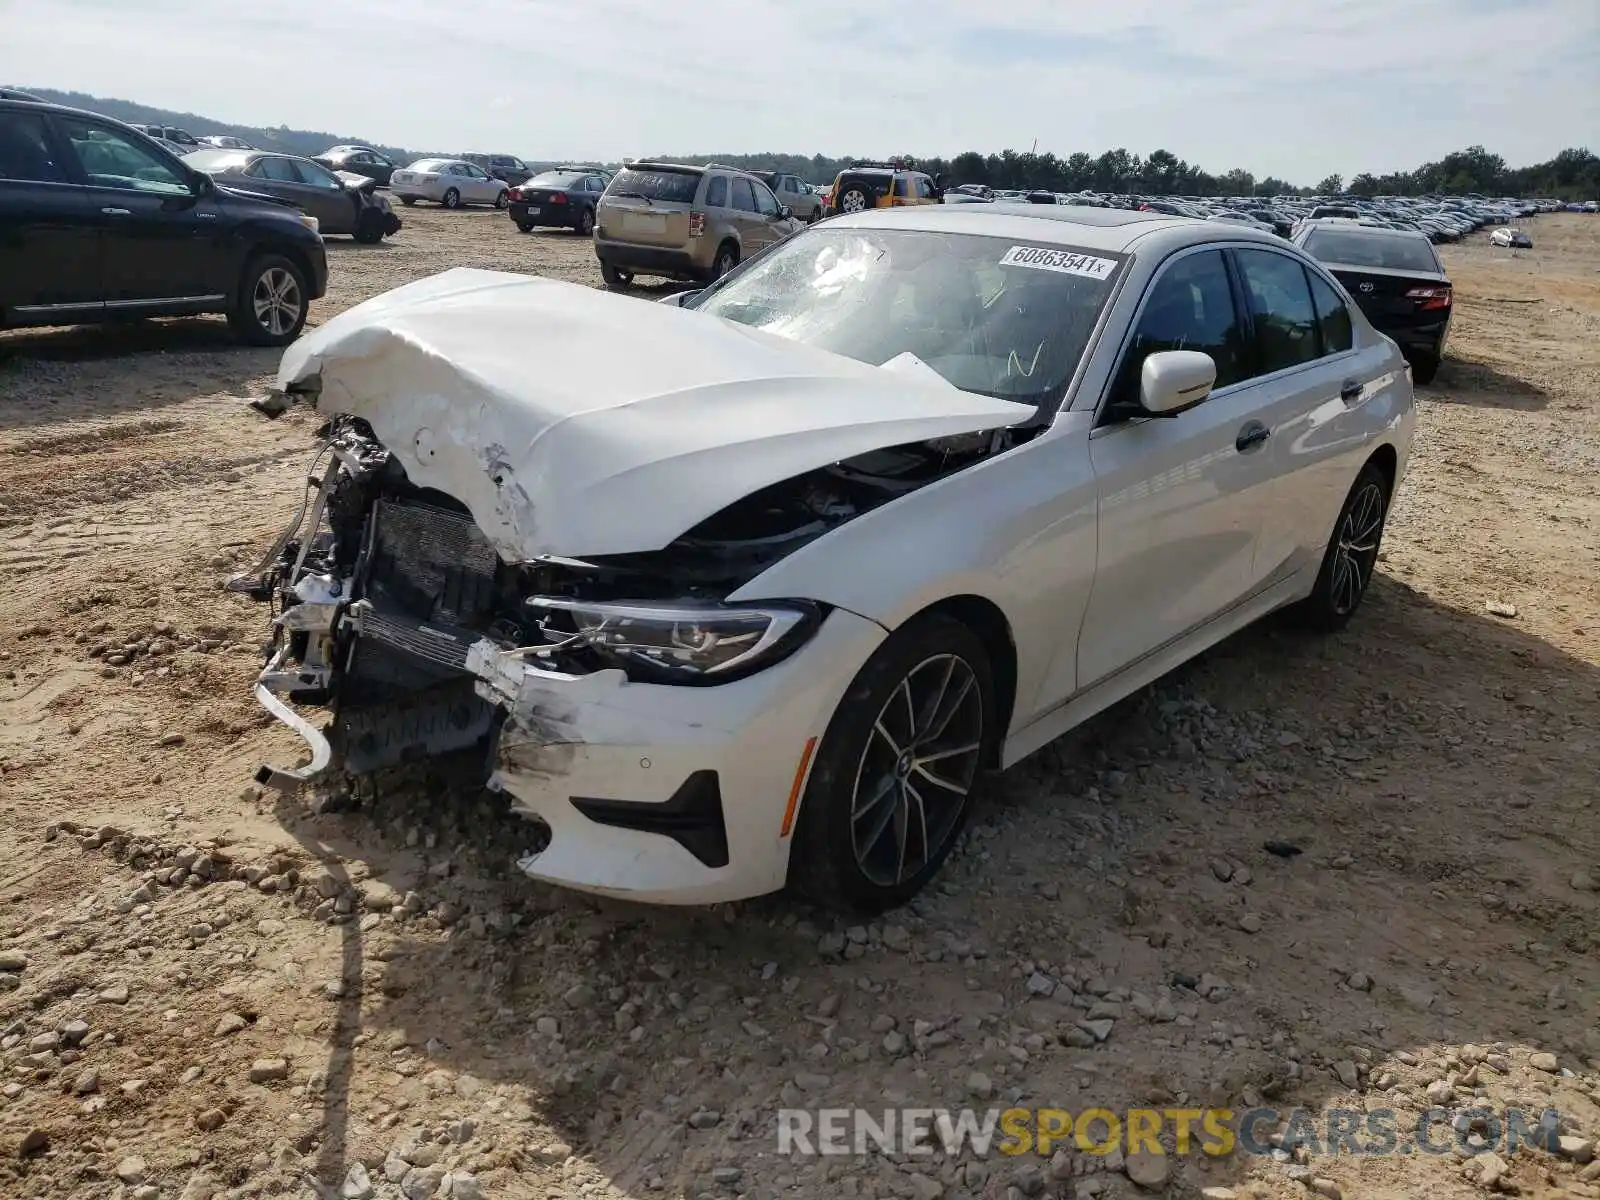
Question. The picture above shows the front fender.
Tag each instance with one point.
(1018, 530)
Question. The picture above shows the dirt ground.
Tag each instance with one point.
(205, 990)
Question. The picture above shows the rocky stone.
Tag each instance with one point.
(1149, 1170)
(579, 995)
(1545, 1062)
(461, 1185)
(357, 1183)
(727, 1176)
(1491, 1169)
(897, 937)
(705, 1118)
(1579, 1150)
(200, 1186)
(269, 1070)
(1346, 1071)
(922, 1187)
(1326, 1188)
(1250, 922)
(35, 1141)
(87, 1083)
(131, 1169)
(13, 962)
(1100, 1030)
(1440, 1091)
(117, 993)
(1582, 881)
(377, 895)
(420, 1183)
(230, 1023)
(556, 1153)
(1218, 1193)
(980, 1085)
(211, 1120)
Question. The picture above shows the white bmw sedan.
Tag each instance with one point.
(751, 589)
(450, 182)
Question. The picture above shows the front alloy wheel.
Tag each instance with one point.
(271, 305)
(892, 782)
(917, 770)
(854, 200)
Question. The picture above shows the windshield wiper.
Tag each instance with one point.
(637, 196)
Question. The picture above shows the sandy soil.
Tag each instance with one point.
(374, 1000)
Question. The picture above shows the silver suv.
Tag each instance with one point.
(684, 222)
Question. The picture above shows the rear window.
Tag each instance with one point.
(557, 178)
(1372, 250)
(430, 164)
(676, 186)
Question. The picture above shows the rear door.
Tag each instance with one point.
(49, 236)
(160, 240)
(325, 197)
(1306, 382)
(754, 231)
(774, 225)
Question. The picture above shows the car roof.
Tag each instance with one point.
(1355, 227)
(1112, 229)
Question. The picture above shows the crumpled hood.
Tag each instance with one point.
(575, 422)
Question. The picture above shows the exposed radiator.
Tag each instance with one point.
(430, 564)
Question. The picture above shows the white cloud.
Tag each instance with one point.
(1295, 90)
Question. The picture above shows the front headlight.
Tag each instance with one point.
(311, 223)
(684, 643)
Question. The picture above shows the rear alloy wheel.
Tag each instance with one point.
(727, 259)
(585, 226)
(892, 783)
(616, 279)
(1352, 555)
(525, 226)
(502, 199)
(854, 200)
(1424, 366)
(271, 306)
(451, 198)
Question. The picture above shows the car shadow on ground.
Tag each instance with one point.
(1428, 764)
(1463, 382)
(87, 343)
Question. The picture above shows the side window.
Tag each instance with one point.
(1190, 307)
(1333, 318)
(316, 176)
(1280, 301)
(717, 192)
(744, 197)
(594, 184)
(279, 170)
(25, 152)
(902, 186)
(924, 187)
(113, 160)
(363, 158)
(765, 201)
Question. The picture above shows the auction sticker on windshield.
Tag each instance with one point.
(1068, 262)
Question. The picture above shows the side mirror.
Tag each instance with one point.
(1174, 381)
(679, 299)
(201, 184)
(785, 213)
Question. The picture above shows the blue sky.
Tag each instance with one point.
(1279, 87)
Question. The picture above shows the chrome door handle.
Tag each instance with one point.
(1251, 436)
(1351, 391)
(117, 212)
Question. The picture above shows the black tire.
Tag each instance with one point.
(1424, 366)
(524, 226)
(585, 225)
(262, 314)
(451, 198)
(408, 201)
(616, 278)
(369, 228)
(855, 195)
(727, 259)
(1351, 557)
(502, 199)
(839, 858)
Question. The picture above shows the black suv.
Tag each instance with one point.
(99, 222)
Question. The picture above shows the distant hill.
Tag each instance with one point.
(291, 141)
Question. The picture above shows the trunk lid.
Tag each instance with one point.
(1389, 296)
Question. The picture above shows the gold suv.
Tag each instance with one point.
(864, 185)
(684, 222)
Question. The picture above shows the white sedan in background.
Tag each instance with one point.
(452, 182)
(751, 587)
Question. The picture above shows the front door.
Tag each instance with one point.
(1177, 530)
(159, 237)
(49, 236)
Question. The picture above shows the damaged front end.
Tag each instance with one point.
(393, 610)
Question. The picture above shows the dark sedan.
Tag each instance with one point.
(1397, 280)
(340, 203)
(563, 199)
(358, 160)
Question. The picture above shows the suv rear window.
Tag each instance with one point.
(1371, 250)
(677, 187)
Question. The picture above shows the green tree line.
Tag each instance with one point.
(1571, 175)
